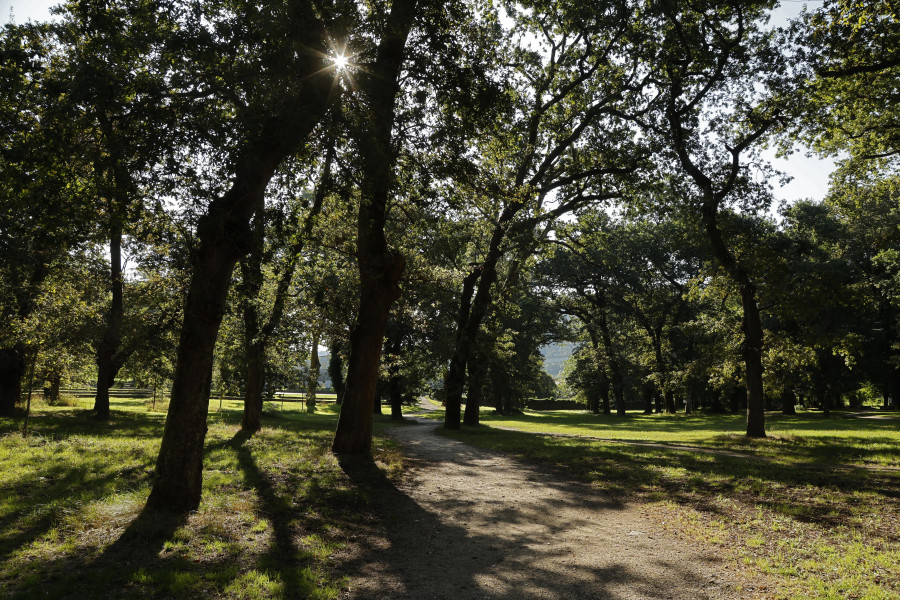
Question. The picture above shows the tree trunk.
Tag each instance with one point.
(257, 335)
(615, 368)
(34, 358)
(656, 336)
(223, 235)
(379, 397)
(456, 373)
(254, 347)
(671, 407)
(476, 370)
(55, 383)
(380, 268)
(393, 346)
(603, 380)
(472, 317)
(253, 392)
(395, 379)
(751, 323)
(379, 289)
(314, 369)
(395, 397)
(820, 388)
(107, 369)
(788, 402)
(753, 348)
(604, 395)
(336, 371)
(12, 369)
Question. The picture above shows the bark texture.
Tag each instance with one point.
(107, 366)
(751, 324)
(380, 267)
(224, 236)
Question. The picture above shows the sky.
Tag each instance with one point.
(24, 10)
(810, 174)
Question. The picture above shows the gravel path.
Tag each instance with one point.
(470, 523)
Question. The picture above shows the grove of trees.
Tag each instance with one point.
(197, 196)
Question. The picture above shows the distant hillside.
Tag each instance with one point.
(555, 356)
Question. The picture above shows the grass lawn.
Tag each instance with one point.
(275, 507)
(814, 508)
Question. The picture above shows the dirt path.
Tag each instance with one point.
(471, 523)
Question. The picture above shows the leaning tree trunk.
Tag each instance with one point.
(107, 369)
(224, 235)
(257, 335)
(380, 268)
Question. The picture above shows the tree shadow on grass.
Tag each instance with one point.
(802, 492)
(44, 484)
(47, 495)
(110, 573)
(284, 558)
